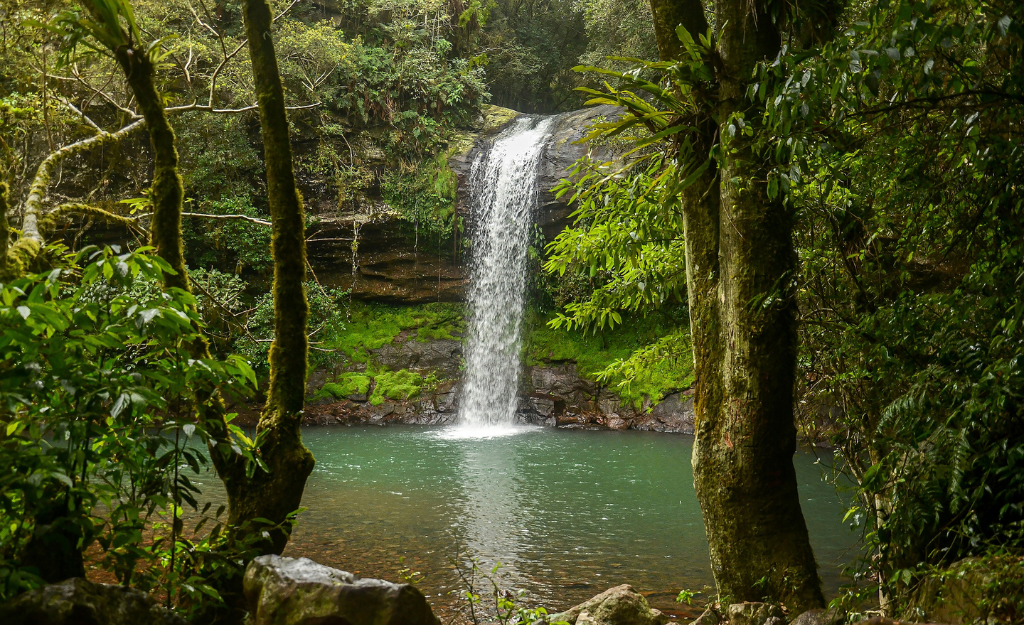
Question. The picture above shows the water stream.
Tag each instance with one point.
(503, 188)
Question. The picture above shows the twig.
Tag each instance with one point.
(260, 222)
(245, 109)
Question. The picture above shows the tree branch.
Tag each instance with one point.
(34, 202)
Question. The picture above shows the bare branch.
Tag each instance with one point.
(285, 11)
(245, 109)
(259, 222)
(80, 113)
(105, 96)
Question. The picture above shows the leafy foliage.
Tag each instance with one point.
(896, 143)
(99, 436)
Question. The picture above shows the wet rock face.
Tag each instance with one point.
(290, 591)
(558, 157)
(443, 356)
(388, 263)
(553, 395)
(80, 602)
(556, 395)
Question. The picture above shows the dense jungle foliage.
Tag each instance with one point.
(896, 148)
(886, 134)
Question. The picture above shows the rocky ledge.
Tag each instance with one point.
(553, 394)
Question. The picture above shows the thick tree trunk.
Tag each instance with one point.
(743, 454)
(739, 267)
(275, 494)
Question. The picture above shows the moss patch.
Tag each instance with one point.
(496, 118)
(398, 385)
(346, 385)
(592, 353)
(371, 326)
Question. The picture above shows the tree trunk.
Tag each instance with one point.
(743, 453)
(5, 228)
(167, 191)
(668, 14)
(739, 267)
(276, 494)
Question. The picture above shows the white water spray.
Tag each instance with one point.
(503, 188)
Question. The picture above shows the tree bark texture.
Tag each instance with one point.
(276, 494)
(739, 264)
(167, 191)
(5, 227)
(668, 14)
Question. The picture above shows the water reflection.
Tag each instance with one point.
(568, 514)
(492, 519)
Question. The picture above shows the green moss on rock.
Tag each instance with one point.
(593, 353)
(346, 385)
(372, 325)
(399, 385)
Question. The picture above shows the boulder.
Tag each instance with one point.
(710, 617)
(970, 590)
(80, 602)
(616, 606)
(674, 414)
(443, 356)
(752, 613)
(290, 591)
(819, 617)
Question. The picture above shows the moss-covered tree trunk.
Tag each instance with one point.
(739, 265)
(668, 14)
(166, 196)
(5, 228)
(167, 191)
(275, 494)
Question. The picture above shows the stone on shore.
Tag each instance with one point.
(77, 601)
(710, 617)
(819, 617)
(616, 606)
(290, 591)
(753, 613)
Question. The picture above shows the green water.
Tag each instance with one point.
(567, 513)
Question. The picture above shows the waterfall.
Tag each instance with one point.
(503, 191)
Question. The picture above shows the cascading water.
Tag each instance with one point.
(503, 188)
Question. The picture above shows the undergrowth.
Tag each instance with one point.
(595, 353)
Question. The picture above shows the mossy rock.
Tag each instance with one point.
(350, 385)
(496, 118)
(77, 601)
(289, 591)
(399, 385)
